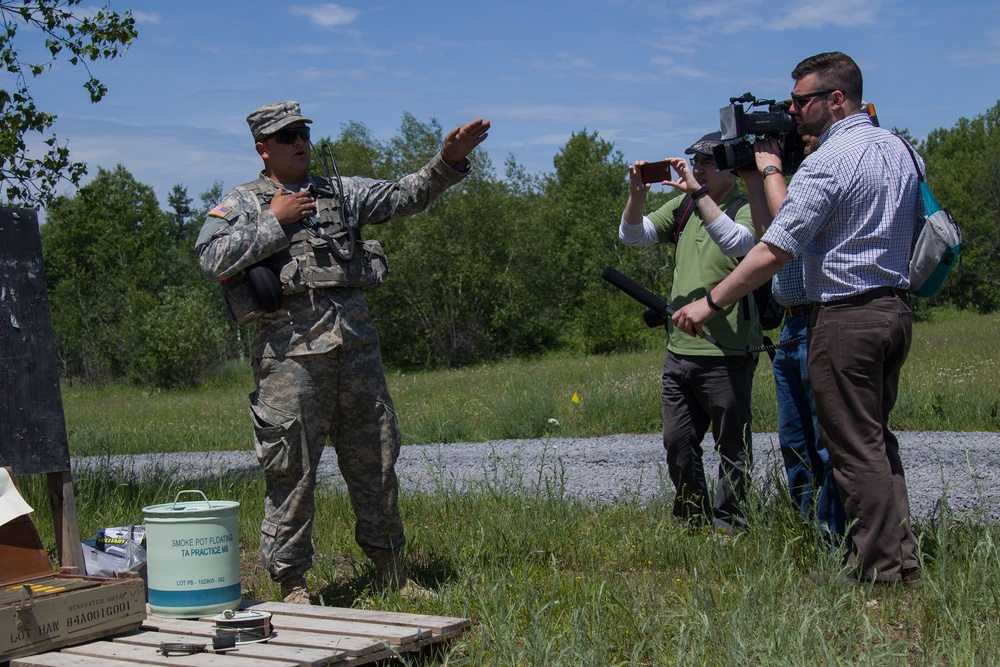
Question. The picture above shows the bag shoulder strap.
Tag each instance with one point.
(683, 212)
(681, 215)
(913, 157)
(737, 204)
(254, 191)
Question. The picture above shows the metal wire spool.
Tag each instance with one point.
(246, 626)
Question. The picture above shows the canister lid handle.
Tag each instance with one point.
(201, 493)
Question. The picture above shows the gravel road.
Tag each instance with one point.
(603, 469)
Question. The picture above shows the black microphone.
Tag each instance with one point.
(659, 310)
(636, 291)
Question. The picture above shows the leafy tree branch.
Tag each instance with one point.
(24, 179)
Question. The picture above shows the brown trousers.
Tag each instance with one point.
(857, 347)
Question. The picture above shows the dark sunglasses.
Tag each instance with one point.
(290, 134)
(801, 100)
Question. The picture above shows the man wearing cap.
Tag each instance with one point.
(703, 383)
(291, 242)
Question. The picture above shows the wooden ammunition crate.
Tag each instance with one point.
(41, 611)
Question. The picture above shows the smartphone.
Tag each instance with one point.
(655, 172)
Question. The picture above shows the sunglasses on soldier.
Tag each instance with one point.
(290, 134)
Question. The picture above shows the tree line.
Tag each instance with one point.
(498, 267)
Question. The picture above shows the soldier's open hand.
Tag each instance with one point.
(462, 140)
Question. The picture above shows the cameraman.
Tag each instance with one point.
(853, 212)
(807, 462)
(702, 384)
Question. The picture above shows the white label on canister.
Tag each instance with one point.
(192, 556)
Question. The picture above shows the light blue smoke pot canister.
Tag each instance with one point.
(192, 557)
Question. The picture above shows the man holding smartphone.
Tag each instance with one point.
(703, 384)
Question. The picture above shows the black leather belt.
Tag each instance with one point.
(865, 297)
(798, 311)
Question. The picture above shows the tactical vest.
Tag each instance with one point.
(324, 251)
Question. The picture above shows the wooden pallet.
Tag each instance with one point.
(304, 636)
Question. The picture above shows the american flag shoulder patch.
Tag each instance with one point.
(221, 211)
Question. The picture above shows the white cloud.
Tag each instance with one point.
(594, 116)
(146, 17)
(985, 53)
(333, 75)
(327, 15)
(161, 156)
(546, 140)
(669, 66)
(564, 63)
(309, 49)
(717, 11)
(846, 14)
(729, 16)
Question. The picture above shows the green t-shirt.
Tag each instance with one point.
(699, 266)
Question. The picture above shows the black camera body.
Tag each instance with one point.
(736, 122)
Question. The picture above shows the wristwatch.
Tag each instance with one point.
(770, 169)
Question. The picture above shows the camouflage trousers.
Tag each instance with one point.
(300, 401)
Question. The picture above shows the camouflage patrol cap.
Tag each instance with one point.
(272, 117)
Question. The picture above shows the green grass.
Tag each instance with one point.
(550, 580)
(950, 382)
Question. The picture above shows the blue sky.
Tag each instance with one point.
(648, 77)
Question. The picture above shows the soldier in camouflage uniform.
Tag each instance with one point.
(316, 359)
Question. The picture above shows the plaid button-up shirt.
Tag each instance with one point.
(851, 212)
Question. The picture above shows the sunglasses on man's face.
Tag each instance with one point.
(802, 100)
(290, 134)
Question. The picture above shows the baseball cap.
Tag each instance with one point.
(270, 118)
(705, 145)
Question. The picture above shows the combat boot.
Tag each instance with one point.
(390, 576)
(294, 590)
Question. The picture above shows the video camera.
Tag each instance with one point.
(737, 123)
